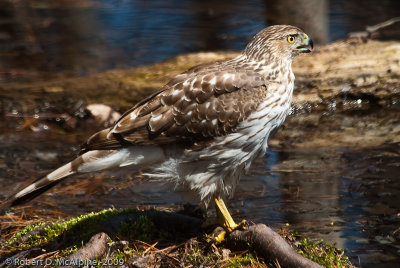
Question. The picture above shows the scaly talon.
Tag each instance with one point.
(243, 225)
(220, 237)
(225, 220)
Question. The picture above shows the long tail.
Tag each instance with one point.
(41, 185)
(91, 161)
(88, 162)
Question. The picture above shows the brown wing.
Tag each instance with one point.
(195, 106)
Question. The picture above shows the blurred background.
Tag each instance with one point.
(346, 196)
(77, 37)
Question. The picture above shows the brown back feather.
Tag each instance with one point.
(202, 103)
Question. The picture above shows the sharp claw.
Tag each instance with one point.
(220, 237)
(243, 225)
(224, 219)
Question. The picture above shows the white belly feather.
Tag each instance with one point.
(215, 170)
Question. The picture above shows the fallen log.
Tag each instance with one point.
(95, 249)
(260, 238)
(269, 245)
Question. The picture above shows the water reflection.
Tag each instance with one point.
(42, 39)
(80, 37)
(304, 190)
(343, 195)
(336, 194)
(346, 196)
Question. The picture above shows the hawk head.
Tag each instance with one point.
(278, 41)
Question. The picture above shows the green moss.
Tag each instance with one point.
(79, 229)
(195, 255)
(23, 232)
(142, 229)
(247, 260)
(70, 234)
(322, 253)
(69, 251)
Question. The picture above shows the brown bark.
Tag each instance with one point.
(268, 244)
(96, 248)
(260, 238)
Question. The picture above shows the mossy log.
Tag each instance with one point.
(267, 243)
(96, 248)
(261, 239)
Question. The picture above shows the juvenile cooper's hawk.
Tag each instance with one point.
(202, 129)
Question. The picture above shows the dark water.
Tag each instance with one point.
(43, 38)
(344, 195)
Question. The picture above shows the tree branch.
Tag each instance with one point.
(268, 244)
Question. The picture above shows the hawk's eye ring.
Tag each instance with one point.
(291, 39)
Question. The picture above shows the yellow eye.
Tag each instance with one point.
(291, 39)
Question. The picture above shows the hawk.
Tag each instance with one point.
(204, 128)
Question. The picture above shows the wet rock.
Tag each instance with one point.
(103, 114)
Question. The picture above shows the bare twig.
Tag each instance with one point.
(370, 31)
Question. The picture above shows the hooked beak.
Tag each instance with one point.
(306, 46)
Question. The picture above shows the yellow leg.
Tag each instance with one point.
(224, 219)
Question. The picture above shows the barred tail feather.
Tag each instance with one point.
(45, 183)
(91, 161)
(39, 186)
